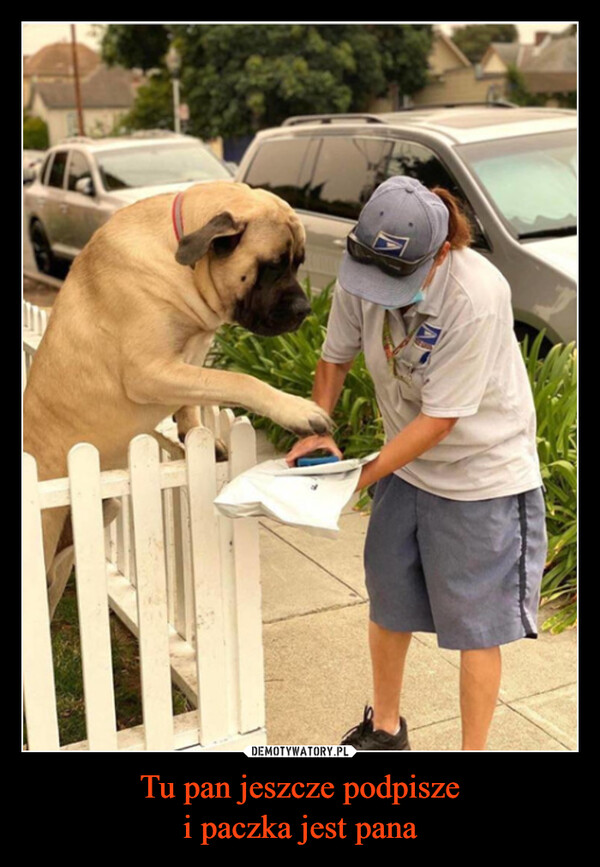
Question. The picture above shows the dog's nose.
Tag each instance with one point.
(300, 308)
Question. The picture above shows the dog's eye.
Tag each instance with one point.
(226, 244)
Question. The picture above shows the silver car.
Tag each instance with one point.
(82, 182)
(513, 168)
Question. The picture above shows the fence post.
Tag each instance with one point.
(149, 548)
(92, 596)
(38, 671)
(247, 588)
(207, 592)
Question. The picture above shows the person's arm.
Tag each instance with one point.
(328, 383)
(327, 387)
(419, 436)
(342, 344)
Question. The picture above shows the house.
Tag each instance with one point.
(452, 78)
(548, 66)
(54, 63)
(107, 93)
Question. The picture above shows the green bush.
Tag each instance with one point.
(288, 362)
(554, 384)
(35, 134)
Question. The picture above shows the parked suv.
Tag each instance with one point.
(82, 182)
(513, 168)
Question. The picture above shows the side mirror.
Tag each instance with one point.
(85, 186)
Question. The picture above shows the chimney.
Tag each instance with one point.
(540, 36)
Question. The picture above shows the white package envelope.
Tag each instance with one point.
(308, 497)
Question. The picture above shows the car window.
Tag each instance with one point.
(156, 164)
(417, 161)
(78, 168)
(283, 166)
(347, 171)
(530, 180)
(57, 172)
(420, 162)
(44, 169)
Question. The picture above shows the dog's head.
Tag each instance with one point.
(247, 255)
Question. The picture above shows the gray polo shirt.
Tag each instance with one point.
(463, 361)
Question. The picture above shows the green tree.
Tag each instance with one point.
(153, 108)
(238, 78)
(35, 133)
(139, 46)
(474, 39)
(517, 89)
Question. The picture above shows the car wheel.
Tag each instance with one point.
(42, 251)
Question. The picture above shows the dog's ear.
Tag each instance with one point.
(196, 245)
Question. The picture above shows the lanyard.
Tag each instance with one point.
(398, 365)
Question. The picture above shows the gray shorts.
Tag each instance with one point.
(468, 571)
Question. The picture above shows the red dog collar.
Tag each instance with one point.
(177, 216)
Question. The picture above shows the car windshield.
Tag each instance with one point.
(531, 181)
(156, 164)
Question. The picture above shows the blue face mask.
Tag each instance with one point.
(418, 297)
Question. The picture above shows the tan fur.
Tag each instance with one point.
(131, 328)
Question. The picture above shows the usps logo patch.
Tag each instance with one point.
(391, 245)
(427, 336)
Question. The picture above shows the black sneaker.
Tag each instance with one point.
(363, 737)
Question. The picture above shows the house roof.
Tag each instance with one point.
(559, 55)
(57, 60)
(106, 87)
(554, 69)
(551, 68)
(508, 52)
(514, 53)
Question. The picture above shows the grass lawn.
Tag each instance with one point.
(66, 651)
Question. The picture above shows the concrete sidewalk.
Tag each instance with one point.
(318, 672)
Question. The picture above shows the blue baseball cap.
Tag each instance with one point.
(399, 230)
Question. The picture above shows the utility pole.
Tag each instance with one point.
(77, 85)
(173, 60)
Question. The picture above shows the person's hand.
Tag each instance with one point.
(310, 444)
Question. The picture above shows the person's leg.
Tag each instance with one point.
(388, 653)
(483, 562)
(479, 685)
(398, 599)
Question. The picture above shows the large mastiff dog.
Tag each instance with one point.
(135, 318)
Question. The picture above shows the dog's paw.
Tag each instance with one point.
(303, 417)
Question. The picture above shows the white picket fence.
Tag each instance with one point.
(183, 578)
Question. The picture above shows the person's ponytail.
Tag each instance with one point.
(459, 228)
